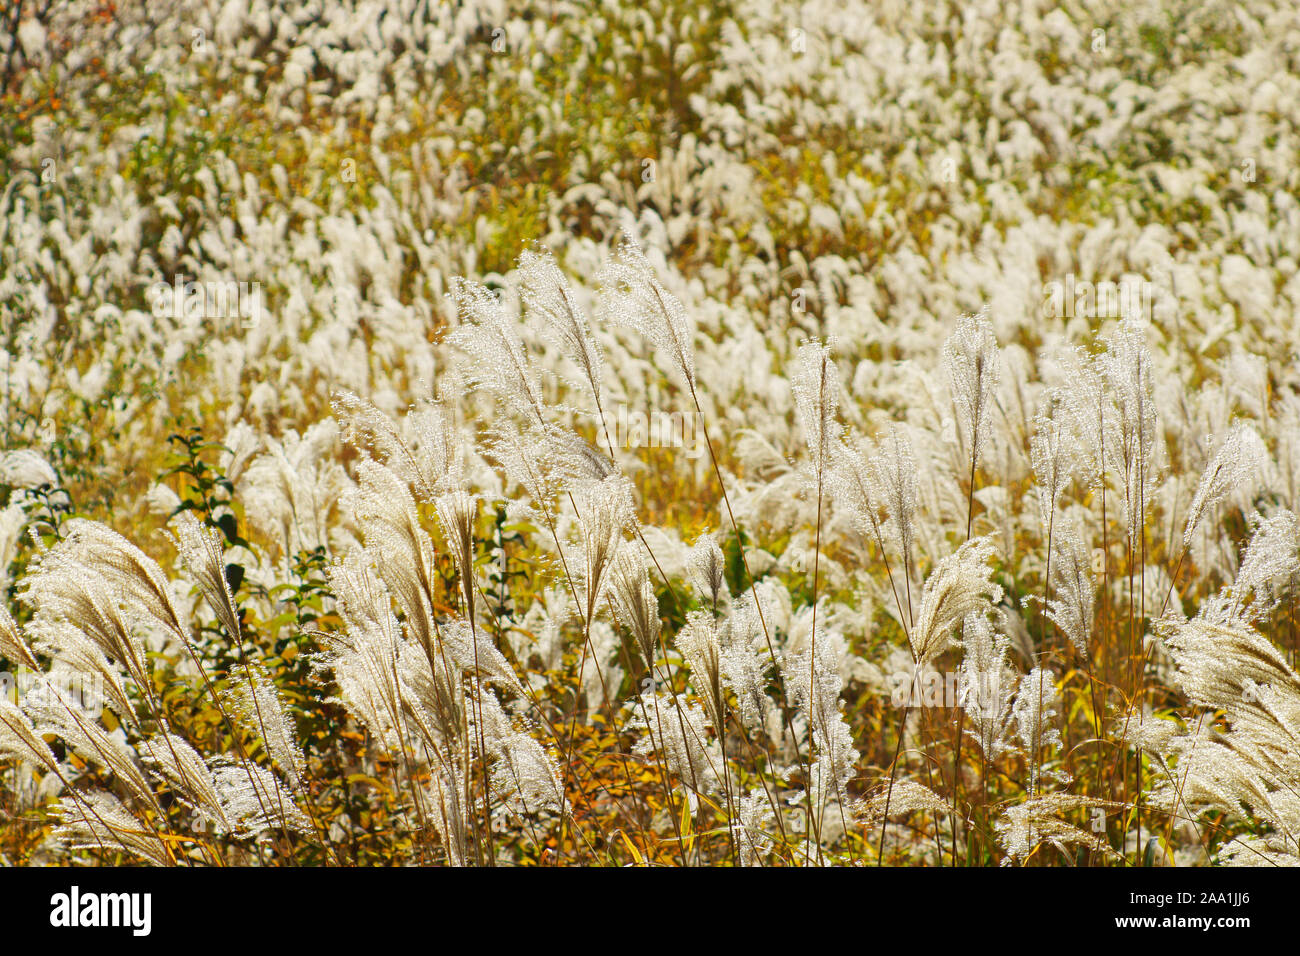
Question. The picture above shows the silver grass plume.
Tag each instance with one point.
(1081, 396)
(676, 729)
(1074, 591)
(188, 774)
(635, 298)
(971, 361)
(364, 656)
(751, 829)
(815, 384)
(550, 298)
(699, 643)
(1132, 427)
(1015, 398)
(200, 550)
(894, 473)
(546, 464)
(430, 700)
(439, 450)
(399, 547)
(433, 465)
(547, 460)
(25, 468)
(744, 669)
(1247, 773)
(529, 461)
(632, 599)
(867, 478)
(1223, 662)
(1033, 713)
(986, 685)
(108, 824)
(20, 740)
(290, 490)
(500, 361)
(604, 514)
(526, 778)
(852, 488)
(449, 817)
(1199, 769)
(13, 646)
(1240, 458)
(94, 744)
(494, 719)
(708, 571)
(124, 568)
(1269, 560)
(904, 797)
(257, 704)
(1243, 850)
(1053, 456)
(1286, 418)
(814, 683)
(69, 646)
(457, 514)
(472, 648)
(1027, 825)
(366, 428)
(957, 586)
(390, 685)
(363, 602)
(253, 800)
(63, 590)
(576, 458)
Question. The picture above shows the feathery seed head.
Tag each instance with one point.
(1270, 560)
(815, 382)
(1239, 460)
(636, 299)
(201, 551)
(13, 645)
(457, 515)
(973, 366)
(1074, 592)
(699, 644)
(957, 586)
(257, 703)
(550, 299)
(709, 571)
(604, 514)
(632, 599)
(490, 338)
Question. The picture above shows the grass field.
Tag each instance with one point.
(600, 433)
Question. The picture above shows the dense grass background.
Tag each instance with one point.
(866, 174)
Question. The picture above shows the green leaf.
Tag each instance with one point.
(229, 527)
